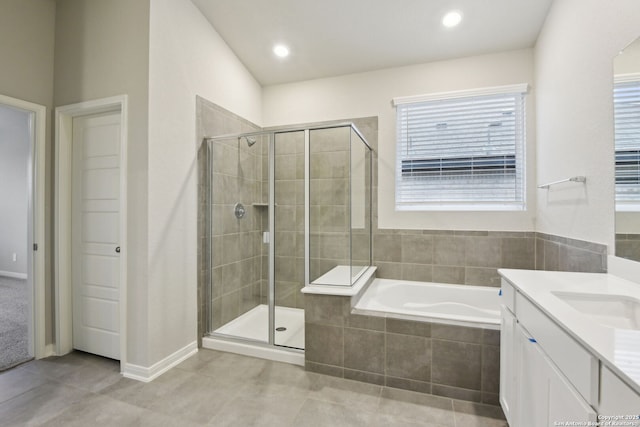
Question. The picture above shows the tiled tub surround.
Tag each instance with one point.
(556, 253)
(445, 360)
(473, 257)
(628, 246)
(447, 256)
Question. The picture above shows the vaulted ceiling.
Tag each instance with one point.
(336, 37)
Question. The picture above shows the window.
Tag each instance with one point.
(626, 105)
(461, 150)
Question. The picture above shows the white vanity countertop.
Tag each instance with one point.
(617, 348)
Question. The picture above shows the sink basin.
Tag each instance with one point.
(614, 311)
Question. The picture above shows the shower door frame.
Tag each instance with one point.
(271, 134)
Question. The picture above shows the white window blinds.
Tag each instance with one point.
(626, 102)
(463, 152)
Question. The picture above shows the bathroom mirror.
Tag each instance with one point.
(626, 96)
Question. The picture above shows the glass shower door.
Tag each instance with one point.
(288, 238)
(330, 244)
(285, 209)
(238, 201)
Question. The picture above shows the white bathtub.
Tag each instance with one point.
(464, 305)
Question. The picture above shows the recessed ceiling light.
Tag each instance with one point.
(281, 51)
(451, 19)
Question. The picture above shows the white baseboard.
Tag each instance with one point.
(148, 374)
(13, 275)
(48, 350)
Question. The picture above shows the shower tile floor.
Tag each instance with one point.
(217, 389)
(254, 325)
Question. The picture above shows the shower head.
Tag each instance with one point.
(250, 141)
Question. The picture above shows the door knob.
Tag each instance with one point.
(118, 249)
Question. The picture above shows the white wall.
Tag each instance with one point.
(161, 53)
(15, 140)
(627, 222)
(370, 94)
(187, 58)
(102, 50)
(628, 60)
(27, 34)
(574, 70)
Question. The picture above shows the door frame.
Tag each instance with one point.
(36, 225)
(62, 228)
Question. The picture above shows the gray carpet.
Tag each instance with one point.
(14, 311)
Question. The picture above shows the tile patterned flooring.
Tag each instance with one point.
(217, 389)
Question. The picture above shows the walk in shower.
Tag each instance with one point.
(285, 208)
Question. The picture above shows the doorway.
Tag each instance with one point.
(95, 247)
(22, 308)
(90, 230)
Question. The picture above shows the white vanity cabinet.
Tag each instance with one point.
(534, 390)
(617, 398)
(531, 407)
(508, 372)
(544, 395)
(569, 355)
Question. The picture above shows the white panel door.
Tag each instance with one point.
(95, 234)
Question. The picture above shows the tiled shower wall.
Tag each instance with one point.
(237, 242)
(237, 249)
(330, 162)
(289, 221)
(329, 200)
(328, 203)
(240, 264)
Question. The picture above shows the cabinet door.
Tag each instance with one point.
(507, 363)
(565, 403)
(532, 383)
(617, 398)
(545, 396)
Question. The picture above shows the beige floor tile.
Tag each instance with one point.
(39, 404)
(357, 395)
(16, 381)
(220, 389)
(417, 406)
